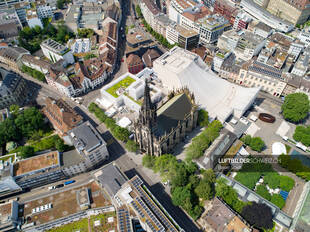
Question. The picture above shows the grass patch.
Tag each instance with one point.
(121, 84)
(81, 225)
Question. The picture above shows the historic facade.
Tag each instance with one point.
(157, 131)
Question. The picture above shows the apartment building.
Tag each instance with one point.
(262, 15)
(55, 51)
(294, 11)
(245, 44)
(61, 115)
(91, 150)
(268, 78)
(11, 55)
(241, 21)
(35, 63)
(149, 11)
(226, 8)
(13, 89)
(39, 170)
(187, 39)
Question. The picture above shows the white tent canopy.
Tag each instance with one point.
(179, 68)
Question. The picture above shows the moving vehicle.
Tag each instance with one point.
(69, 182)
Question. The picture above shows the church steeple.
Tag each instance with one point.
(148, 109)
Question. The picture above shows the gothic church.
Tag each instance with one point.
(157, 131)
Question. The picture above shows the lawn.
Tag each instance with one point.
(121, 84)
(81, 225)
(250, 173)
(104, 224)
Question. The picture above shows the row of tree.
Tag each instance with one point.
(186, 186)
(255, 143)
(295, 165)
(34, 73)
(201, 142)
(118, 132)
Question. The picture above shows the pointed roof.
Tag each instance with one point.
(147, 103)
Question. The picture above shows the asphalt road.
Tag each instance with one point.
(117, 152)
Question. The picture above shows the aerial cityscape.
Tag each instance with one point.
(155, 115)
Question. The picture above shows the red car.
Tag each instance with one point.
(122, 60)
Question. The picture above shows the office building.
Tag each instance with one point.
(55, 51)
(13, 89)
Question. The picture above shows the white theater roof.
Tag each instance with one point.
(179, 68)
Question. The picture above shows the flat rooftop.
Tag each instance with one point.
(36, 163)
(147, 209)
(86, 138)
(64, 203)
(53, 46)
(110, 178)
(5, 211)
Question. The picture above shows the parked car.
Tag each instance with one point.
(59, 186)
(69, 182)
(51, 187)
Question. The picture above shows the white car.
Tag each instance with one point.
(51, 187)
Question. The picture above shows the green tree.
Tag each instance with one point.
(60, 4)
(14, 109)
(257, 144)
(203, 118)
(26, 151)
(121, 133)
(59, 144)
(209, 176)
(85, 32)
(9, 131)
(138, 11)
(204, 190)
(148, 161)
(302, 134)
(29, 120)
(246, 139)
(131, 146)
(295, 107)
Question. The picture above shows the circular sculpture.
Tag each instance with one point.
(266, 118)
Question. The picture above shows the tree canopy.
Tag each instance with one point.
(253, 214)
(85, 32)
(203, 118)
(302, 134)
(201, 142)
(255, 143)
(295, 107)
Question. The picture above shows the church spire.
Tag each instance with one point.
(148, 109)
